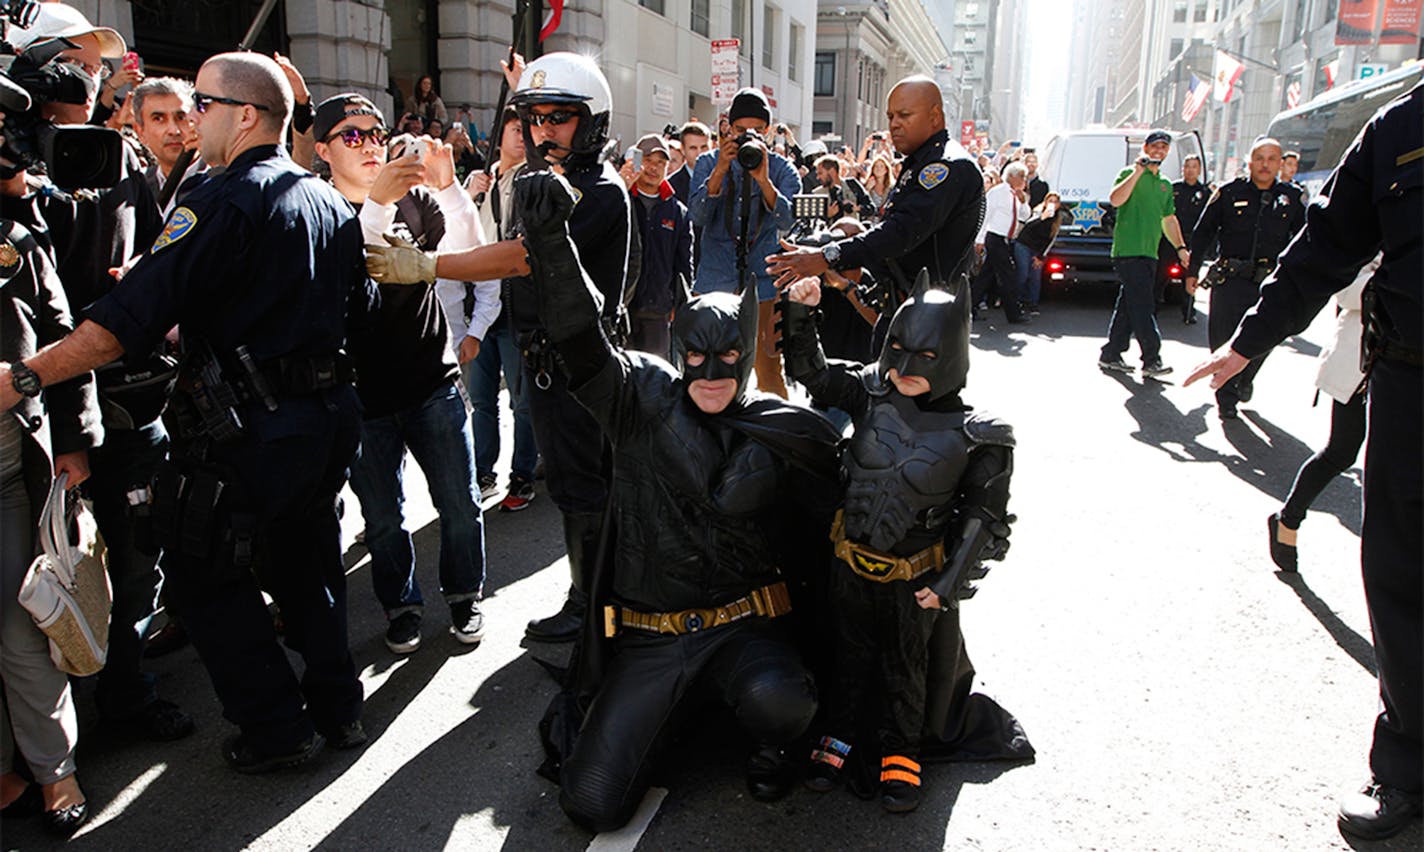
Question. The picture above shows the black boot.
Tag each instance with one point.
(770, 773)
(581, 534)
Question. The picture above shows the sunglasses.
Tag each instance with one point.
(539, 119)
(201, 102)
(355, 137)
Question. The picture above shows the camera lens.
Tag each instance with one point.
(750, 155)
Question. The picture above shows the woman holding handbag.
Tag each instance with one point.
(48, 433)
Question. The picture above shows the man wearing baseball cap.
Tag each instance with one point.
(1145, 211)
(666, 233)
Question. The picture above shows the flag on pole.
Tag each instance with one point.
(1197, 93)
(1332, 69)
(1293, 95)
(1228, 71)
(551, 19)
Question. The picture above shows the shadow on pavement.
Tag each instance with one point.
(1360, 649)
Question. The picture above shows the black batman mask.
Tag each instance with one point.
(929, 337)
(712, 324)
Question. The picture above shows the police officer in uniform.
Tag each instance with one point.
(1373, 202)
(258, 268)
(1254, 218)
(930, 219)
(565, 105)
(1190, 194)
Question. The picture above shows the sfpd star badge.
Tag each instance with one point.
(539, 77)
(9, 257)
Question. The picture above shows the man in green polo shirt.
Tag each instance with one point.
(1145, 211)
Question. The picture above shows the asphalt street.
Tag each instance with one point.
(1180, 692)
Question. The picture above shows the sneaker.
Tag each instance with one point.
(1116, 365)
(403, 634)
(467, 623)
(1156, 368)
(486, 483)
(521, 494)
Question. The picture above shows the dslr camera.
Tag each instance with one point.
(74, 156)
(751, 149)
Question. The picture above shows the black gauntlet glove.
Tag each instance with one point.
(800, 342)
(568, 301)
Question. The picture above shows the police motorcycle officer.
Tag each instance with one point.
(926, 503)
(261, 268)
(1253, 218)
(565, 105)
(930, 219)
(711, 478)
(1372, 203)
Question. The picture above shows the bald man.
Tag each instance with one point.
(258, 268)
(932, 215)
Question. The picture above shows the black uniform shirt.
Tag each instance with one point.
(930, 220)
(1374, 201)
(265, 255)
(1037, 190)
(1190, 199)
(1242, 215)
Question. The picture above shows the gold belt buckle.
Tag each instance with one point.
(868, 563)
(694, 620)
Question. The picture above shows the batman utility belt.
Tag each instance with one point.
(883, 567)
(767, 602)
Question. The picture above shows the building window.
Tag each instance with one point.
(701, 15)
(970, 37)
(825, 82)
(1199, 14)
(793, 52)
(739, 23)
(655, 5)
(820, 128)
(768, 37)
(1179, 12)
(1176, 48)
(971, 10)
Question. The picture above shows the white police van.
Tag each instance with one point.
(1081, 167)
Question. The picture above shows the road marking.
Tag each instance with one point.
(626, 838)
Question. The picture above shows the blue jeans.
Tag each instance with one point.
(1135, 313)
(499, 354)
(1028, 278)
(438, 434)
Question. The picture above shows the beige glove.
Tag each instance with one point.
(401, 262)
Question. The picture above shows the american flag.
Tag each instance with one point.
(1197, 93)
(1293, 95)
(552, 16)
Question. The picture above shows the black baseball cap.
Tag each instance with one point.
(337, 109)
(1158, 136)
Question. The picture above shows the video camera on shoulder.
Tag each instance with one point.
(74, 156)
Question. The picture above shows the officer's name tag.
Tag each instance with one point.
(179, 224)
(933, 175)
(1241, 204)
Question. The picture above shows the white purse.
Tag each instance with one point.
(66, 590)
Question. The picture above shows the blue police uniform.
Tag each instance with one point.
(1374, 202)
(262, 267)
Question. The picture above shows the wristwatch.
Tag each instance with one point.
(25, 380)
(832, 253)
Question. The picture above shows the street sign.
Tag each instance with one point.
(662, 99)
(966, 133)
(726, 74)
(1370, 69)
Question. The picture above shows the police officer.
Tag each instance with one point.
(930, 219)
(1372, 202)
(258, 267)
(565, 105)
(1254, 218)
(1190, 194)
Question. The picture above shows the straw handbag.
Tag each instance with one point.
(66, 590)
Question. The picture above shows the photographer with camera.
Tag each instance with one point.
(1146, 210)
(91, 231)
(741, 198)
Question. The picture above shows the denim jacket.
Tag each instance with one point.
(717, 257)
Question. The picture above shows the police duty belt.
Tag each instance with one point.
(767, 602)
(881, 567)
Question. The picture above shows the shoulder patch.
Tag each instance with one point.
(180, 223)
(9, 255)
(988, 429)
(933, 175)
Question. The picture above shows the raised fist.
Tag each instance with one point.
(544, 201)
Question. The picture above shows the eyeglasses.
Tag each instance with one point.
(101, 70)
(539, 119)
(201, 102)
(355, 137)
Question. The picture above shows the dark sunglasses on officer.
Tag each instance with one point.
(355, 137)
(557, 117)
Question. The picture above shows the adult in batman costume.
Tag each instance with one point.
(710, 481)
(926, 502)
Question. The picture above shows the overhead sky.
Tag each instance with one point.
(1050, 25)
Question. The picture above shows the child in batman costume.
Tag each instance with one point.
(708, 479)
(927, 489)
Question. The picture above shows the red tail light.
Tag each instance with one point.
(1174, 271)
(1055, 266)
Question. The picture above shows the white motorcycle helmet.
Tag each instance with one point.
(567, 78)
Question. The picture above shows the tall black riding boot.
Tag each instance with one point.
(581, 534)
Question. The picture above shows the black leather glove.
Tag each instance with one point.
(568, 301)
